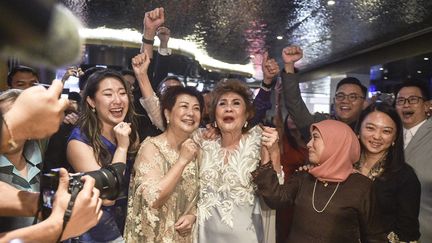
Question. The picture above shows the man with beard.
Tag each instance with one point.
(349, 100)
(412, 105)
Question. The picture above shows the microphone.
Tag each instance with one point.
(39, 33)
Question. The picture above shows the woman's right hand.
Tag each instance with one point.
(188, 151)
(122, 132)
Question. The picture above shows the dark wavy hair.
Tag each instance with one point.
(236, 86)
(169, 99)
(395, 159)
(90, 124)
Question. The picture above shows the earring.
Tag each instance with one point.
(245, 125)
(93, 110)
(393, 143)
(167, 121)
(215, 124)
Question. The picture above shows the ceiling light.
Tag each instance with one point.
(279, 37)
(385, 78)
(381, 69)
(426, 58)
(331, 2)
(419, 71)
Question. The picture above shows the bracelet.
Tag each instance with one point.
(11, 142)
(147, 41)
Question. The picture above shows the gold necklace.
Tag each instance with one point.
(313, 197)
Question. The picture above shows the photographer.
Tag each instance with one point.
(85, 213)
(40, 121)
(37, 113)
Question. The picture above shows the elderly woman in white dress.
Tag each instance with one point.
(228, 208)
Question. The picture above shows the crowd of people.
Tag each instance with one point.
(202, 167)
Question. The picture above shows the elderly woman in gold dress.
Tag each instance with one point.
(164, 183)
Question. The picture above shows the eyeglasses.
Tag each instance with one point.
(412, 100)
(351, 97)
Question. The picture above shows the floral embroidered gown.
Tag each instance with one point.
(228, 209)
(144, 223)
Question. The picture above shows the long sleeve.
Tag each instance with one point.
(152, 106)
(262, 103)
(296, 106)
(371, 229)
(275, 195)
(162, 62)
(408, 204)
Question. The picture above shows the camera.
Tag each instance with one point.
(109, 180)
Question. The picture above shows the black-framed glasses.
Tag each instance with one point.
(412, 100)
(351, 97)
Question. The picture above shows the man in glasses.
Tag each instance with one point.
(412, 105)
(349, 100)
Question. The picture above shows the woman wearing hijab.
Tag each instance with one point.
(331, 203)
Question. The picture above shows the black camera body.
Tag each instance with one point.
(109, 180)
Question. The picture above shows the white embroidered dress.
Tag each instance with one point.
(228, 210)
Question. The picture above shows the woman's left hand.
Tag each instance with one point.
(270, 139)
(122, 132)
(184, 224)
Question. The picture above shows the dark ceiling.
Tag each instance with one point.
(233, 30)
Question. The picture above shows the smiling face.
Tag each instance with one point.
(377, 133)
(316, 147)
(230, 112)
(411, 114)
(185, 115)
(348, 111)
(111, 101)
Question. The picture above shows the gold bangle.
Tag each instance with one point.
(11, 142)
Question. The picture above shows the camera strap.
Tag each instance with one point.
(68, 213)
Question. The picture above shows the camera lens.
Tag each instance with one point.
(109, 180)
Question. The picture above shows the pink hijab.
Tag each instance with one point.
(341, 151)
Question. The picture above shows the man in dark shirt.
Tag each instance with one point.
(349, 100)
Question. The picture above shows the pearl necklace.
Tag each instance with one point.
(313, 197)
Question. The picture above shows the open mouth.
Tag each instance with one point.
(189, 122)
(117, 112)
(228, 119)
(345, 108)
(407, 114)
(375, 144)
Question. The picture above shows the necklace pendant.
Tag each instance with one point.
(325, 183)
